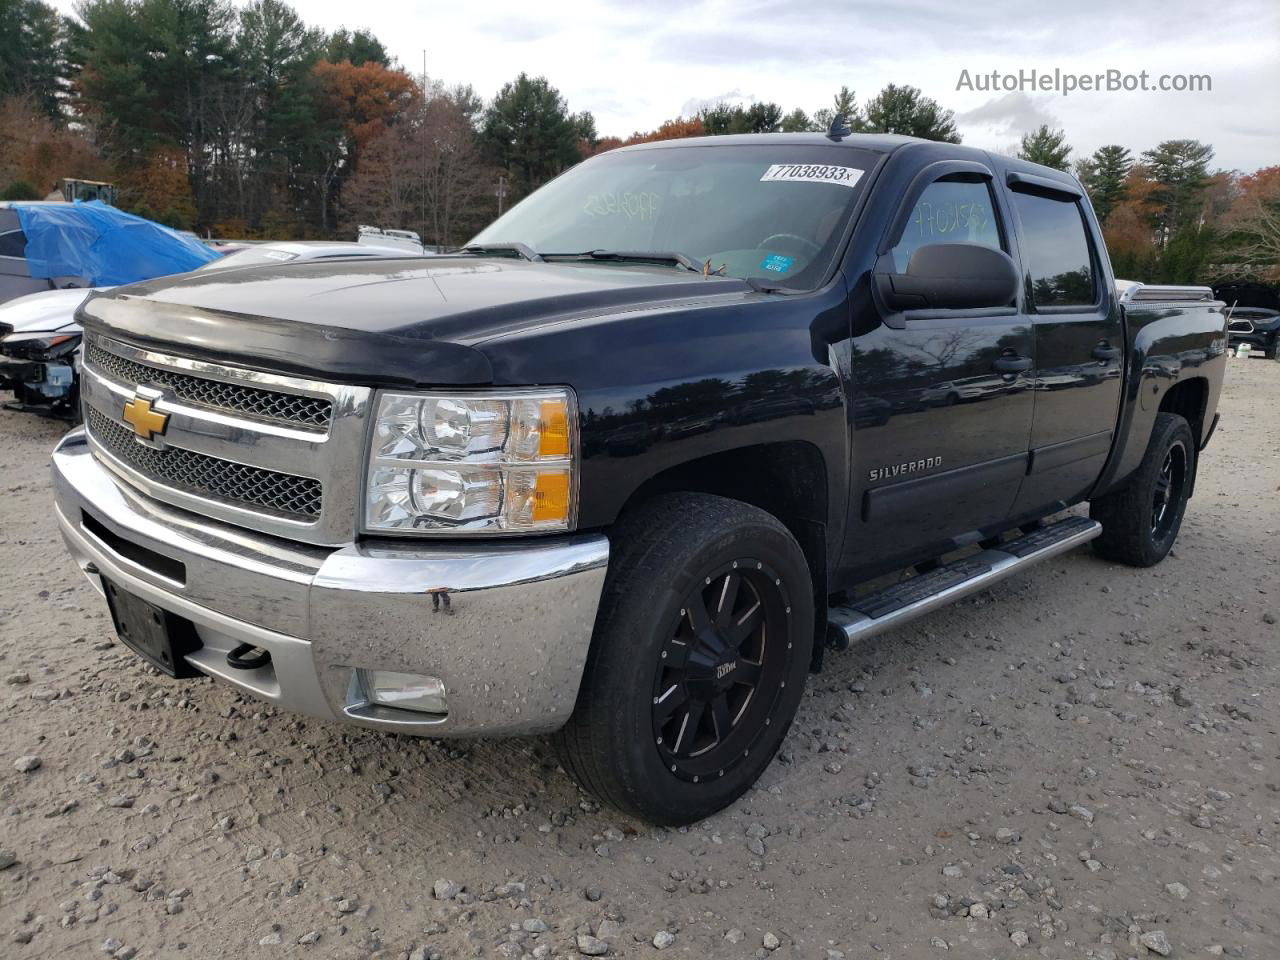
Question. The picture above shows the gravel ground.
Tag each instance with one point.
(1081, 762)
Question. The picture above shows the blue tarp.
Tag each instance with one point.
(104, 245)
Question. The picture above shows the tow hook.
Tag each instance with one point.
(248, 657)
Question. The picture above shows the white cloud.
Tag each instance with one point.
(635, 65)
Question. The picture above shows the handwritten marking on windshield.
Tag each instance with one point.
(633, 206)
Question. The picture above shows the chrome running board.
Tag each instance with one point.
(903, 602)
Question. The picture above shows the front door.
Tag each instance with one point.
(1079, 343)
(941, 413)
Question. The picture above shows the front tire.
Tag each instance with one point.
(698, 661)
(1141, 520)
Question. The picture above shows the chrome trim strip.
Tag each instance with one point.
(1133, 291)
(121, 392)
(246, 516)
(214, 371)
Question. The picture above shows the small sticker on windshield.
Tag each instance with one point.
(811, 173)
(777, 263)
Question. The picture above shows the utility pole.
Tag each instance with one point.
(423, 120)
(502, 192)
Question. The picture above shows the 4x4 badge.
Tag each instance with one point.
(147, 422)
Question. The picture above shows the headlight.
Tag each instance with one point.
(473, 462)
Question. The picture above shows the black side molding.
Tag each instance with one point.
(1069, 451)
(909, 496)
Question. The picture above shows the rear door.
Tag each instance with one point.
(1079, 343)
(942, 407)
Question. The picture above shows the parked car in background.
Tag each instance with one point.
(1258, 327)
(405, 240)
(16, 279)
(262, 254)
(39, 349)
(40, 338)
(51, 245)
(52, 255)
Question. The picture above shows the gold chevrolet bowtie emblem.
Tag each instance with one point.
(147, 422)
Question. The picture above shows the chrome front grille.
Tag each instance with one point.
(277, 454)
(233, 398)
(205, 476)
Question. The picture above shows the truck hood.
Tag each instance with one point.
(380, 321)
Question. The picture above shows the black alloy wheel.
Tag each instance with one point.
(720, 673)
(1168, 491)
(1141, 518)
(703, 639)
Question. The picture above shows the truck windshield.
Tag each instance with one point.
(775, 212)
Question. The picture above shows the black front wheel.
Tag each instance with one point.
(698, 662)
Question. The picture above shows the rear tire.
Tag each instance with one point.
(698, 660)
(1140, 521)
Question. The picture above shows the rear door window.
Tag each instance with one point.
(1056, 250)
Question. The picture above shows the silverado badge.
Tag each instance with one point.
(147, 422)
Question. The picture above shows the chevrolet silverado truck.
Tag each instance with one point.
(624, 468)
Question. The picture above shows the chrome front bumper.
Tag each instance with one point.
(505, 625)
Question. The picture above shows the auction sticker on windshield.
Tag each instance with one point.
(811, 173)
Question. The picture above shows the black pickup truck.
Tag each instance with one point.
(624, 468)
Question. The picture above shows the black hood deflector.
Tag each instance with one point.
(287, 347)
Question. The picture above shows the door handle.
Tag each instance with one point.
(1104, 352)
(1011, 364)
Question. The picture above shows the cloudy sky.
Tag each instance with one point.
(634, 64)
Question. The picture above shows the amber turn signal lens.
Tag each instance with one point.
(551, 496)
(553, 440)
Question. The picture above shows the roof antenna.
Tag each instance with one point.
(839, 128)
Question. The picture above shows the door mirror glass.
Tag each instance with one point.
(951, 276)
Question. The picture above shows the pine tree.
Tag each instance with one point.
(1180, 170)
(797, 121)
(1046, 147)
(1103, 175)
(529, 131)
(907, 111)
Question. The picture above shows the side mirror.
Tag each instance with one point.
(950, 276)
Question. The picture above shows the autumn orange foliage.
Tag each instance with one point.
(33, 149)
(365, 98)
(669, 130)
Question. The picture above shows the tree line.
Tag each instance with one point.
(247, 122)
(1166, 217)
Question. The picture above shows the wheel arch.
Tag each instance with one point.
(1188, 398)
(787, 479)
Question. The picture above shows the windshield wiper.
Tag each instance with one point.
(519, 249)
(637, 256)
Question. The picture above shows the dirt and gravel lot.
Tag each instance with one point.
(1083, 762)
